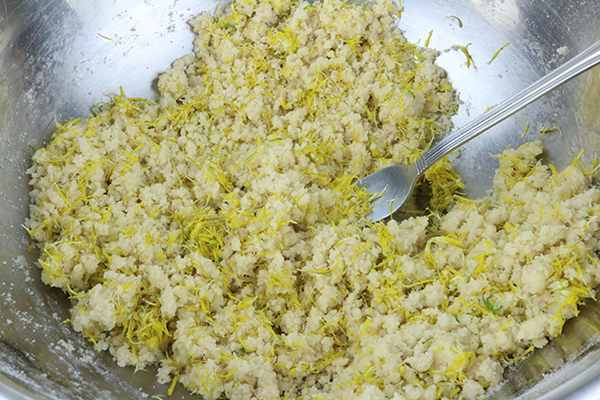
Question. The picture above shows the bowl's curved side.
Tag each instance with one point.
(58, 59)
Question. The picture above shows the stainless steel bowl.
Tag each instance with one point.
(58, 58)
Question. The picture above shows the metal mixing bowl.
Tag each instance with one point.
(60, 57)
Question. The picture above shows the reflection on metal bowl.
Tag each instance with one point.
(58, 58)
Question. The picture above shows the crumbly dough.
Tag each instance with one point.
(217, 232)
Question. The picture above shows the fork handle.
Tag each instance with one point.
(576, 66)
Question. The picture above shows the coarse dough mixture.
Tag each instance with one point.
(217, 232)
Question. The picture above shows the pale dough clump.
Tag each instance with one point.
(218, 232)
